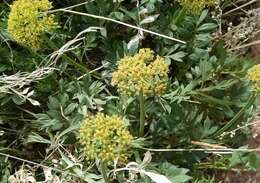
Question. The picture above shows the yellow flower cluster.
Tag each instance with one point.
(254, 76)
(195, 6)
(28, 21)
(105, 138)
(141, 73)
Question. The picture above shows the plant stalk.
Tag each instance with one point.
(234, 121)
(142, 115)
(103, 171)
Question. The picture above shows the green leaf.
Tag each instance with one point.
(130, 14)
(53, 103)
(70, 108)
(202, 17)
(235, 159)
(220, 51)
(207, 27)
(149, 19)
(117, 15)
(18, 100)
(175, 174)
(177, 56)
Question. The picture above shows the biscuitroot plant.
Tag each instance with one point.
(195, 6)
(141, 75)
(105, 139)
(28, 22)
(253, 75)
(29, 28)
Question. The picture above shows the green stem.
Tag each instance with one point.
(179, 17)
(75, 64)
(103, 172)
(235, 120)
(142, 115)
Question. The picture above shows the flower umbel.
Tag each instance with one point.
(105, 138)
(28, 21)
(254, 76)
(142, 72)
(195, 6)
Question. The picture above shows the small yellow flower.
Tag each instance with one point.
(105, 138)
(144, 72)
(28, 21)
(195, 6)
(254, 76)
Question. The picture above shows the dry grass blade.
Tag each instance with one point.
(21, 79)
(240, 7)
(122, 23)
(46, 168)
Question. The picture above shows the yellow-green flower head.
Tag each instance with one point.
(105, 138)
(254, 76)
(144, 72)
(28, 21)
(195, 6)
